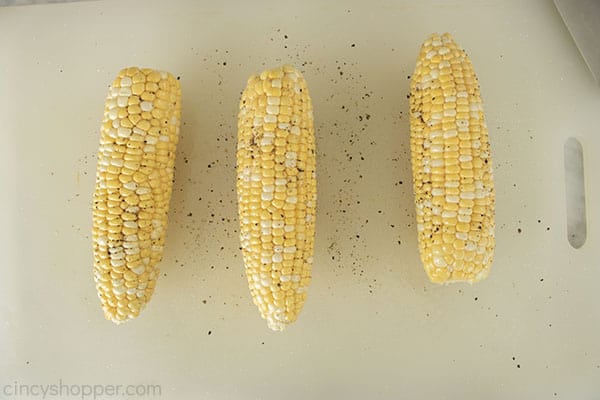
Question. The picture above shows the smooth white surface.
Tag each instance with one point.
(373, 326)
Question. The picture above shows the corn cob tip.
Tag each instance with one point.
(275, 325)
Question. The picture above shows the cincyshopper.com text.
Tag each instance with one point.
(63, 390)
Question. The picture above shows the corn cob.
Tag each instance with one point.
(138, 137)
(451, 164)
(276, 188)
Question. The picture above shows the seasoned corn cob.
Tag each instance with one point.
(276, 188)
(134, 178)
(451, 163)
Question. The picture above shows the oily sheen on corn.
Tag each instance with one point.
(451, 163)
(276, 187)
(139, 134)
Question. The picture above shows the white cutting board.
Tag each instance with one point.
(373, 326)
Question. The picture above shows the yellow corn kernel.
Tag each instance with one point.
(451, 164)
(276, 189)
(127, 241)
